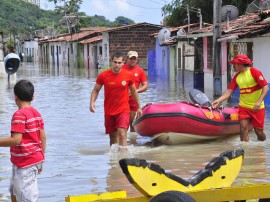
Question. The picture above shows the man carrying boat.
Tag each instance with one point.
(253, 89)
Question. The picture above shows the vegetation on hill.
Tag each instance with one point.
(22, 20)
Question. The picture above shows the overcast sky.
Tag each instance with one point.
(137, 10)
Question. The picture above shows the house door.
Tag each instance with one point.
(68, 57)
(88, 56)
(234, 49)
(57, 56)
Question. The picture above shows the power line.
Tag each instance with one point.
(137, 5)
(157, 2)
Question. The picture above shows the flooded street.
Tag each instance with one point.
(78, 157)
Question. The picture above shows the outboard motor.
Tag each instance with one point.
(12, 63)
(198, 97)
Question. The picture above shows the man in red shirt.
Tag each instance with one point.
(253, 89)
(141, 83)
(117, 85)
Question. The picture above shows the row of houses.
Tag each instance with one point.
(92, 47)
(248, 34)
(190, 47)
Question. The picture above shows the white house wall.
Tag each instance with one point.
(94, 56)
(87, 55)
(261, 57)
(189, 50)
(173, 67)
(99, 53)
(73, 55)
(31, 50)
(64, 54)
(105, 47)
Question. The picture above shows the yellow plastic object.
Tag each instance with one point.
(151, 183)
(150, 179)
(223, 177)
(235, 193)
(95, 197)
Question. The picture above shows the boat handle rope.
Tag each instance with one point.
(210, 108)
(225, 114)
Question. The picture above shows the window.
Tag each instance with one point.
(52, 50)
(106, 50)
(71, 47)
(100, 50)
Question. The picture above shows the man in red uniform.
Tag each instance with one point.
(117, 85)
(141, 83)
(253, 89)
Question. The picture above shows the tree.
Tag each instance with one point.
(67, 6)
(120, 20)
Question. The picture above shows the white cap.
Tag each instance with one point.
(132, 54)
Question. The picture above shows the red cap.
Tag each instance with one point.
(241, 59)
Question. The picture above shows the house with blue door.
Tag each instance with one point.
(175, 53)
(248, 34)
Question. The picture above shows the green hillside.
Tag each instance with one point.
(19, 19)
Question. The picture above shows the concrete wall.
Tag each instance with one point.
(30, 50)
(261, 56)
(186, 50)
(94, 57)
(162, 60)
(105, 61)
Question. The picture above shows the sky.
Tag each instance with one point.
(137, 10)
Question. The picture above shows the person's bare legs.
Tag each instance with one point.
(113, 138)
(13, 198)
(122, 134)
(244, 127)
(131, 118)
(260, 134)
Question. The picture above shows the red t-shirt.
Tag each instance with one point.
(138, 72)
(116, 90)
(29, 122)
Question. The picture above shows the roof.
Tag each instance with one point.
(73, 37)
(92, 40)
(184, 29)
(131, 26)
(86, 31)
(96, 29)
(245, 26)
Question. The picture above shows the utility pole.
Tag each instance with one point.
(188, 15)
(217, 76)
(199, 14)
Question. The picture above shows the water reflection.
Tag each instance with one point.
(79, 159)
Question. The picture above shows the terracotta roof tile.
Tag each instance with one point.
(131, 25)
(92, 40)
(96, 29)
(245, 26)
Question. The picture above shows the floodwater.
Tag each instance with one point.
(78, 157)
